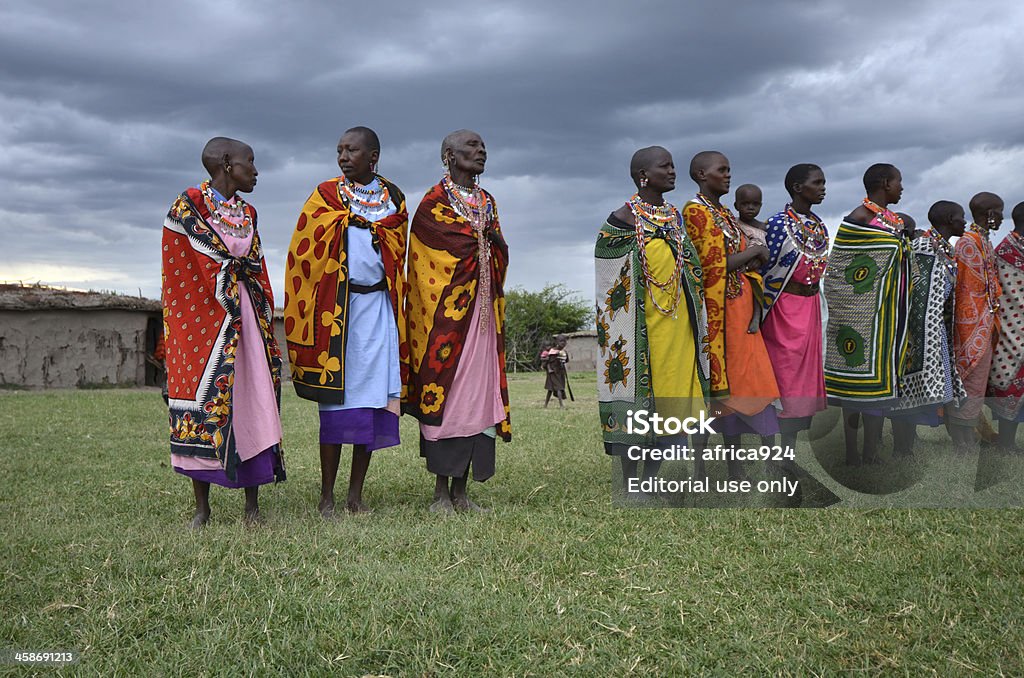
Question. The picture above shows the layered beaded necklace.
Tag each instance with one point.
(989, 265)
(810, 237)
(983, 231)
(232, 216)
(374, 201)
(886, 218)
(665, 221)
(726, 223)
(473, 205)
(943, 251)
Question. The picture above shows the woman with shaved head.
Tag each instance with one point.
(743, 385)
(797, 241)
(976, 323)
(344, 295)
(929, 380)
(223, 363)
(650, 313)
(867, 287)
(455, 315)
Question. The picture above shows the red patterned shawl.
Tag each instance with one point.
(1006, 381)
(443, 280)
(202, 323)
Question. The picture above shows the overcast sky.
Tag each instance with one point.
(105, 107)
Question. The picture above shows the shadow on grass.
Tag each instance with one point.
(891, 475)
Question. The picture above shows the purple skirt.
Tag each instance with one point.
(264, 468)
(375, 428)
(764, 423)
(921, 416)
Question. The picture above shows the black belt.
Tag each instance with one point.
(379, 286)
(801, 289)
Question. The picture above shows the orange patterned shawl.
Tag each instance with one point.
(709, 240)
(443, 281)
(975, 326)
(317, 287)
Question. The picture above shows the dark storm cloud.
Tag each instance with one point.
(105, 107)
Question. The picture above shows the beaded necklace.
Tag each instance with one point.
(657, 215)
(943, 251)
(989, 265)
(726, 223)
(664, 220)
(810, 237)
(473, 205)
(983, 231)
(221, 212)
(372, 203)
(886, 218)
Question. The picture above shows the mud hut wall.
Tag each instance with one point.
(582, 349)
(67, 348)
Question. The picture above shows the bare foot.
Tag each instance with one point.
(442, 505)
(326, 507)
(464, 504)
(356, 506)
(199, 520)
(252, 516)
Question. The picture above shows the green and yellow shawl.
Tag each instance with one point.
(624, 370)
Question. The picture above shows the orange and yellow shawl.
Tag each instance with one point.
(975, 324)
(443, 279)
(316, 296)
(710, 242)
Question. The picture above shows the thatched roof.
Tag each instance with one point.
(14, 297)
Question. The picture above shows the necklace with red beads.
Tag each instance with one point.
(665, 221)
(886, 218)
(810, 237)
(473, 205)
(370, 198)
(223, 212)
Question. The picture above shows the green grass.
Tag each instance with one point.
(96, 558)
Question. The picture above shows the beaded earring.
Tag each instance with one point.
(643, 182)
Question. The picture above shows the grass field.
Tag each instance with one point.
(96, 558)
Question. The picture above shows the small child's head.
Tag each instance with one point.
(909, 225)
(748, 202)
(561, 341)
(947, 217)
